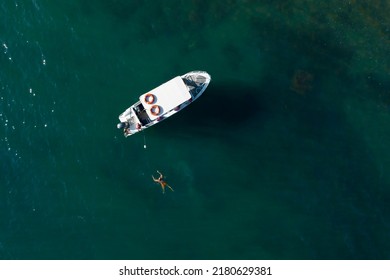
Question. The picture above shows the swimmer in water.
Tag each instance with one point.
(162, 182)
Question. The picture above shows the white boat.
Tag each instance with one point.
(163, 102)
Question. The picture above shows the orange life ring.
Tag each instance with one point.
(149, 98)
(155, 110)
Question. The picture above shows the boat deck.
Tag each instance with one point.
(168, 96)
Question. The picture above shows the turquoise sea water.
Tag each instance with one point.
(285, 156)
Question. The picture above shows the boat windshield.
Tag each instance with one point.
(141, 113)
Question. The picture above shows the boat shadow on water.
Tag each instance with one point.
(221, 107)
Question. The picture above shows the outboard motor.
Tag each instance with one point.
(122, 125)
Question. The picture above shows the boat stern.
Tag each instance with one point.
(129, 122)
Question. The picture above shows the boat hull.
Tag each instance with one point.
(163, 102)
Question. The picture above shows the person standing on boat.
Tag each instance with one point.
(162, 182)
